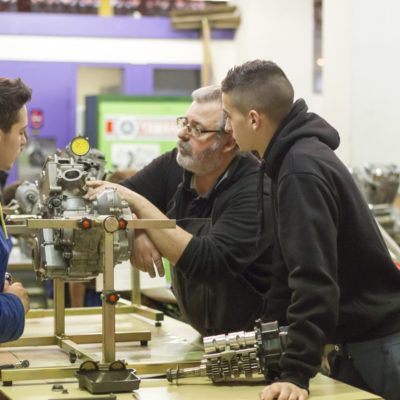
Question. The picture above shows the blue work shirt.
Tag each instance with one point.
(12, 314)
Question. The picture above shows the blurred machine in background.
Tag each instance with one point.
(379, 184)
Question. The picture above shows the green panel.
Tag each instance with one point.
(138, 115)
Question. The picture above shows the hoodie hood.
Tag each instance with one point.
(297, 125)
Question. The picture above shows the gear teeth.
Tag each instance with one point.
(254, 365)
(226, 371)
(235, 367)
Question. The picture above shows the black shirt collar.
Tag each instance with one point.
(188, 178)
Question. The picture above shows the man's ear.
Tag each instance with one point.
(254, 119)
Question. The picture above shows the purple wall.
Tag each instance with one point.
(54, 92)
(94, 26)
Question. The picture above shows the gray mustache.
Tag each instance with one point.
(186, 146)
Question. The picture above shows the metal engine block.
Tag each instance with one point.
(68, 254)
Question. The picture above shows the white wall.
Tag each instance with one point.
(337, 75)
(361, 77)
(280, 31)
(103, 50)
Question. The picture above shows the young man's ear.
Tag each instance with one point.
(255, 119)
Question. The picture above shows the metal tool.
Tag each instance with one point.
(8, 277)
(19, 364)
(115, 378)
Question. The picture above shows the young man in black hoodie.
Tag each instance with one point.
(337, 276)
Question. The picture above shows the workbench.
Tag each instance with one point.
(172, 342)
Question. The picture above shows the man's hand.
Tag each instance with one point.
(98, 187)
(144, 253)
(19, 291)
(283, 391)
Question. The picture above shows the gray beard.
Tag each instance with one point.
(200, 163)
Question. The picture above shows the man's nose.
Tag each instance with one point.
(24, 140)
(228, 126)
(183, 134)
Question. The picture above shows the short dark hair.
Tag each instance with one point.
(262, 86)
(13, 96)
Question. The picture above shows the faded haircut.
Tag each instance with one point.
(13, 96)
(262, 86)
(210, 94)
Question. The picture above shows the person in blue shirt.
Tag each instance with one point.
(14, 300)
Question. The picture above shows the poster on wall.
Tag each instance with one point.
(133, 155)
(131, 127)
(133, 130)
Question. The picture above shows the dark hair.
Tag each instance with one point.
(13, 96)
(262, 86)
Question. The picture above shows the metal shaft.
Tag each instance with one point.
(174, 374)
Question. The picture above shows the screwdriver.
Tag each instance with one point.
(19, 364)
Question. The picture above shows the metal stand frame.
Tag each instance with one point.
(71, 343)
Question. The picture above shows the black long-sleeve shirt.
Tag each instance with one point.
(220, 281)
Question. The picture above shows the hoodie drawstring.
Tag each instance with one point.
(3, 224)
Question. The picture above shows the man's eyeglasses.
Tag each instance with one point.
(195, 131)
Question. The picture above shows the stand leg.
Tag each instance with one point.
(108, 309)
(135, 296)
(59, 307)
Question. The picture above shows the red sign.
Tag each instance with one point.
(36, 119)
(110, 127)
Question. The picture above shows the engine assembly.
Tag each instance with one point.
(239, 355)
(68, 254)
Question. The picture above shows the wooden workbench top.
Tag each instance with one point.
(173, 341)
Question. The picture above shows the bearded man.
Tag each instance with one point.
(221, 261)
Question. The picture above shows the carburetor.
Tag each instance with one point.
(70, 254)
(239, 355)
